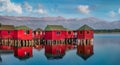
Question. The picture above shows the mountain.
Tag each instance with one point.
(72, 23)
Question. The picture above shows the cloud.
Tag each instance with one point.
(8, 6)
(40, 10)
(27, 6)
(112, 14)
(83, 9)
(119, 10)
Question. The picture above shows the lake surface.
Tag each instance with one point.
(106, 52)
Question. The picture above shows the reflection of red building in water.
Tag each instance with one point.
(23, 42)
(54, 51)
(23, 52)
(85, 41)
(54, 39)
(6, 35)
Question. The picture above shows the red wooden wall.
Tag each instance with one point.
(20, 52)
(85, 34)
(71, 35)
(51, 35)
(20, 34)
(53, 49)
(5, 35)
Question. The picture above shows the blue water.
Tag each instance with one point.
(106, 52)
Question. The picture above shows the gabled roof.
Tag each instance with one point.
(22, 28)
(38, 29)
(85, 27)
(67, 29)
(54, 27)
(7, 27)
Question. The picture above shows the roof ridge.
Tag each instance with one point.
(7, 27)
(22, 27)
(38, 29)
(54, 27)
(85, 27)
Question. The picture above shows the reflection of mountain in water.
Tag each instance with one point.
(55, 51)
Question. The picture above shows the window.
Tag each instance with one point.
(38, 32)
(69, 32)
(87, 32)
(58, 51)
(58, 33)
(80, 32)
(27, 32)
(34, 32)
(8, 32)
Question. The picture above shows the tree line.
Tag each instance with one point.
(107, 31)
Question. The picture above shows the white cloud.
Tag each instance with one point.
(83, 9)
(8, 6)
(119, 10)
(27, 6)
(40, 10)
(112, 14)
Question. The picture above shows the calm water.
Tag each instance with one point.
(106, 52)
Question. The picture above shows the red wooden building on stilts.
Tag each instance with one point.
(85, 41)
(23, 42)
(55, 38)
(54, 41)
(38, 33)
(6, 37)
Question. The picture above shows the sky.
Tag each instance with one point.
(103, 9)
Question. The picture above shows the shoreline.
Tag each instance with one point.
(107, 33)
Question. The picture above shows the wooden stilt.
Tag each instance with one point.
(32, 43)
(15, 43)
(27, 43)
(23, 43)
